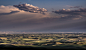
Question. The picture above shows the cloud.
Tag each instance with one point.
(80, 11)
(75, 6)
(8, 13)
(13, 19)
(30, 8)
(7, 9)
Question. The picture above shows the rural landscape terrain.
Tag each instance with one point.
(44, 41)
(42, 24)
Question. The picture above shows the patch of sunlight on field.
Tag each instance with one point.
(3, 38)
(29, 42)
(4, 43)
(57, 39)
(22, 45)
(72, 39)
(40, 41)
(29, 39)
(46, 39)
(28, 45)
(53, 45)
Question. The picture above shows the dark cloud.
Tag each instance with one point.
(75, 6)
(71, 12)
(30, 8)
(9, 13)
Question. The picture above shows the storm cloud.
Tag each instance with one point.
(31, 8)
(80, 11)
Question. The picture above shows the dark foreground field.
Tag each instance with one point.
(11, 47)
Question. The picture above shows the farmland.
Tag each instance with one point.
(44, 40)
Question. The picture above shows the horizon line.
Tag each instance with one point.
(9, 32)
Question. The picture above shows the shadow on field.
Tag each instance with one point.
(11, 47)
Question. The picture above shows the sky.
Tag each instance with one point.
(43, 15)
